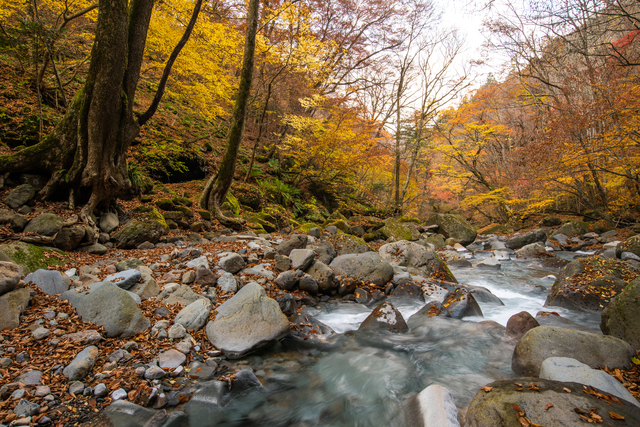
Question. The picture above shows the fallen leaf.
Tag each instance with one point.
(549, 405)
(616, 416)
(486, 388)
(566, 389)
(534, 387)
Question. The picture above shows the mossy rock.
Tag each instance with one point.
(340, 224)
(492, 229)
(165, 204)
(346, 244)
(143, 209)
(185, 211)
(335, 216)
(374, 235)
(307, 226)
(409, 219)
(206, 215)
(262, 220)
(149, 229)
(632, 244)
(232, 204)
(146, 199)
(572, 228)
(436, 240)
(396, 229)
(453, 226)
(32, 257)
(183, 201)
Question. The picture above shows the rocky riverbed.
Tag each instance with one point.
(235, 329)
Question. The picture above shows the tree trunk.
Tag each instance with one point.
(215, 191)
(86, 152)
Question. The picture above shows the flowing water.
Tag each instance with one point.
(360, 379)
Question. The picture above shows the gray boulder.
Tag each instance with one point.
(416, 256)
(621, 318)
(19, 196)
(68, 238)
(297, 241)
(519, 241)
(384, 317)
(325, 250)
(95, 249)
(184, 295)
(495, 407)
(108, 222)
(228, 283)
(51, 282)
(247, 321)
(231, 263)
(147, 288)
(124, 279)
(110, 307)
(460, 303)
(323, 275)
(532, 250)
(82, 364)
(432, 407)
(575, 228)
(301, 259)
(136, 232)
(368, 266)
(194, 316)
(453, 226)
(543, 342)
(567, 369)
(10, 275)
(519, 324)
(46, 224)
(12, 304)
(287, 280)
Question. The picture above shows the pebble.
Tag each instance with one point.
(18, 394)
(171, 359)
(131, 345)
(42, 391)
(140, 370)
(23, 357)
(154, 373)
(118, 394)
(5, 362)
(100, 390)
(63, 316)
(177, 331)
(40, 333)
(76, 387)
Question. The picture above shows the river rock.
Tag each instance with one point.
(519, 241)
(110, 307)
(430, 309)
(287, 304)
(460, 303)
(323, 275)
(532, 250)
(346, 244)
(122, 413)
(519, 324)
(171, 359)
(621, 318)
(259, 270)
(484, 295)
(68, 238)
(231, 263)
(30, 378)
(228, 283)
(384, 317)
(325, 251)
(453, 226)
(432, 407)
(205, 277)
(95, 249)
(46, 224)
(574, 290)
(12, 304)
(494, 408)
(19, 196)
(82, 364)
(632, 244)
(194, 316)
(297, 241)
(567, 369)
(398, 230)
(287, 280)
(409, 290)
(10, 275)
(25, 408)
(247, 321)
(147, 288)
(184, 295)
(574, 228)
(125, 279)
(87, 337)
(414, 255)
(108, 222)
(308, 327)
(543, 342)
(308, 284)
(489, 264)
(301, 259)
(51, 282)
(368, 266)
(136, 232)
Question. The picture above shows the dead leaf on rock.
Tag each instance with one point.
(486, 388)
(616, 416)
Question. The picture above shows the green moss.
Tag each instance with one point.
(232, 204)
(157, 217)
(307, 226)
(186, 211)
(183, 201)
(409, 219)
(206, 215)
(32, 257)
(165, 204)
(145, 199)
(394, 228)
(143, 208)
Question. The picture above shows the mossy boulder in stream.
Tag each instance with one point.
(621, 318)
(453, 226)
(396, 229)
(32, 257)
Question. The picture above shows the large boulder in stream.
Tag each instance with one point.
(496, 407)
(632, 244)
(519, 241)
(594, 350)
(368, 266)
(247, 321)
(460, 303)
(573, 228)
(453, 226)
(432, 407)
(424, 260)
(385, 317)
(621, 318)
(588, 284)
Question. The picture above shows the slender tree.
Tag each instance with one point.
(215, 192)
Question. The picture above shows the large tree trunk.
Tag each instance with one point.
(215, 191)
(86, 152)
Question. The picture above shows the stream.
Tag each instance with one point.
(360, 379)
